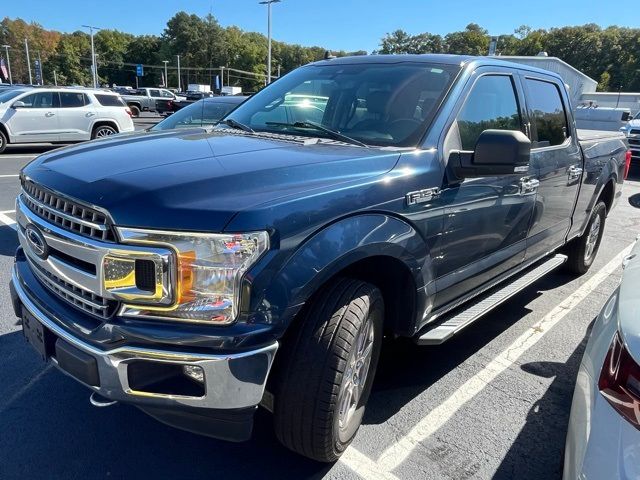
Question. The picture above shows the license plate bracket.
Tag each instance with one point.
(35, 333)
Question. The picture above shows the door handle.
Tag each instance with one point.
(90, 114)
(529, 185)
(573, 172)
(49, 114)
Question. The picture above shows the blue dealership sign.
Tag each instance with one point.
(139, 70)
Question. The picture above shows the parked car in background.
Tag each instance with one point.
(191, 97)
(208, 111)
(150, 100)
(603, 440)
(632, 131)
(60, 115)
(407, 196)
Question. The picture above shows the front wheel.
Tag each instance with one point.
(581, 252)
(328, 367)
(103, 131)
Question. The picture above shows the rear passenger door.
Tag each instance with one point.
(556, 161)
(76, 116)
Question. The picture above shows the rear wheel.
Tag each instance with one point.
(135, 111)
(3, 141)
(582, 251)
(327, 370)
(103, 131)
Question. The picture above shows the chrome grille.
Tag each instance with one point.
(635, 132)
(66, 213)
(82, 299)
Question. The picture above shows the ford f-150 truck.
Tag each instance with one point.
(200, 274)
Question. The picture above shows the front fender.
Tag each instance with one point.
(334, 248)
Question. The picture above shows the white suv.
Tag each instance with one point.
(60, 115)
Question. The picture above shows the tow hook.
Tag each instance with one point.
(99, 401)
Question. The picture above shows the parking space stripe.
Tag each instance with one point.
(10, 175)
(362, 465)
(439, 416)
(8, 221)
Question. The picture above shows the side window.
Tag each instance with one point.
(547, 113)
(154, 93)
(166, 94)
(491, 104)
(39, 100)
(72, 100)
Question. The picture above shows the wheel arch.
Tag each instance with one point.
(376, 248)
(105, 123)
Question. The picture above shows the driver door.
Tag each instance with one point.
(486, 219)
(35, 122)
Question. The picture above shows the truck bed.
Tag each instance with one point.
(587, 135)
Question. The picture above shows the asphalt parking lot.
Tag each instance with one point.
(491, 403)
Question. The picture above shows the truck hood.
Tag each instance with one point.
(198, 180)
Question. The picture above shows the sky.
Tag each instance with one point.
(335, 24)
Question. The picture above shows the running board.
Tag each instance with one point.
(465, 315)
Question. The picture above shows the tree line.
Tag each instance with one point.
(610, 55)
(203, 46)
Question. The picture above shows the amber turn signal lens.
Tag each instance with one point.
(186, 276)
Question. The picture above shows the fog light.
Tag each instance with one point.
(195, 372)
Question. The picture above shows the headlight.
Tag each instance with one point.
(209, 270)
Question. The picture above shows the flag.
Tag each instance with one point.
(3, 69)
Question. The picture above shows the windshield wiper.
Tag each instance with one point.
(316, 126)
(235, 124)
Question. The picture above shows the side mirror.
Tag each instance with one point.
(18, 104)
(497, 152)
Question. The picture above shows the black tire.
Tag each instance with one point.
(135, 111)
(102, 131)
(314, 380)
(3, 141)
(583, 250)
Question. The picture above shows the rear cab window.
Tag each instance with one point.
(110, 100)
(547, 113)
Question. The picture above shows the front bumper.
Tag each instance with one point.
(233, 384)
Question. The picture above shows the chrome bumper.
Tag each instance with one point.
(231, 381)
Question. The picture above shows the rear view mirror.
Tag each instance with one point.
(497, 152)
(18, 104)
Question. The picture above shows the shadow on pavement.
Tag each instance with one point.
(8, 241)
(538, 450)
(406, 370)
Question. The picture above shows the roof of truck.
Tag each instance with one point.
(443, 59)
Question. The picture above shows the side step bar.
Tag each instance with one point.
(465, 315)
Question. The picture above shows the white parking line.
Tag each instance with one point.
(8, 221)
(8, 211)
(11, 175)
(439, 416)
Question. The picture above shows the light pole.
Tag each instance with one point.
(179, 84)
(93, 55)
(268, 3)
(166, 79)
(6, 49)
(26, 48)
(221, 78)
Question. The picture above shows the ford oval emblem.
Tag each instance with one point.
(36, 241)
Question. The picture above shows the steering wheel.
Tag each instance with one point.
(403, 127)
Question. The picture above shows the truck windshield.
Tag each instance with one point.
(376, 104)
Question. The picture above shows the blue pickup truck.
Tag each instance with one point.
(199, 274)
